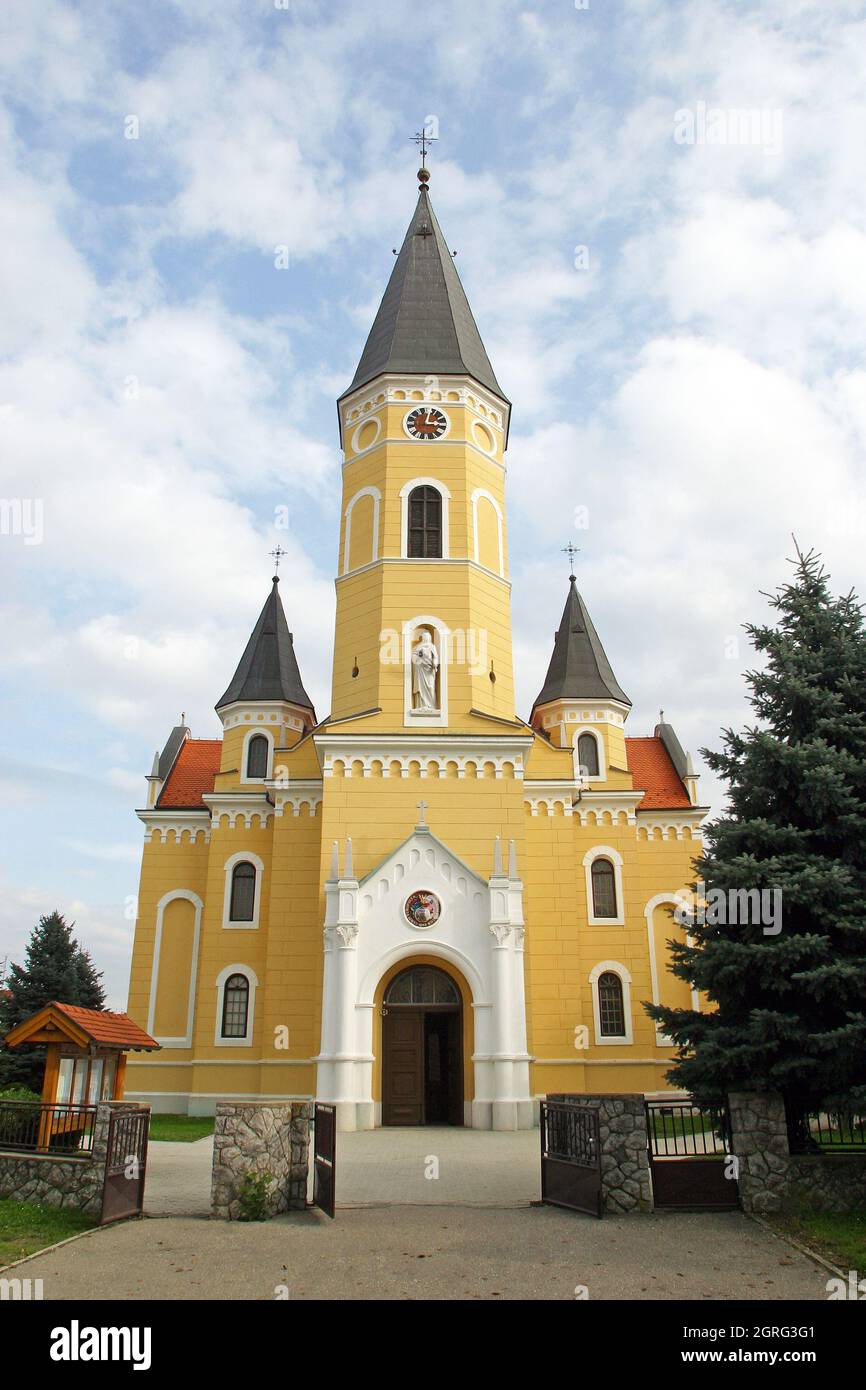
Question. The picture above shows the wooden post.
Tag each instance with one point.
(120, 1076)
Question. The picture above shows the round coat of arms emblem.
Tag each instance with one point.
(422, 909)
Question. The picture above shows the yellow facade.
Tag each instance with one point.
(338, 842)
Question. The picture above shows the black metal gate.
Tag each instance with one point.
(690, 1158)
(325, 1158)
(125, 1165)
(570, 1157)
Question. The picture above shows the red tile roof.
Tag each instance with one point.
(106, 1027)
(654, 773)
(195, 768)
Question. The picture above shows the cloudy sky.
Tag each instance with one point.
(672, 292)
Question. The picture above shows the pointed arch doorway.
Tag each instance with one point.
(422, 1052)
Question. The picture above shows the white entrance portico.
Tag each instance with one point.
(424, 901)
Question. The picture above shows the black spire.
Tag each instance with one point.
(268, 669)
(579, 669)
(424, 324)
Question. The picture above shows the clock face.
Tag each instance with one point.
(426, 422)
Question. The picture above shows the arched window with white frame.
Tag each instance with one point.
(610, 983)
(424, 504)
(235, 1006)
(243, 891)
(588, 760)
(604, 895)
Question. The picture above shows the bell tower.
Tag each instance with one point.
(423, 628)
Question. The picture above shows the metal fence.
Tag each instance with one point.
(682, 1128)
(824, 1131)
(30, 1127)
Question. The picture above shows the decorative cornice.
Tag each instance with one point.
(482, 751)
(194, 823)
(231, 805)
(296, 792)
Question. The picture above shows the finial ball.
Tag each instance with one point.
(423, 175)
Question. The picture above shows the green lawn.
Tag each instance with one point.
(26, 1227)
(840, 1239)
(184, 1128)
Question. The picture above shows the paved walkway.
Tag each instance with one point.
(444, 1166)
(429, 1253)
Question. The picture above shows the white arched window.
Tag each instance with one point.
(257, 753)
(235, 1008)
(422, 502)
(589, 756)
(610, 983)
(604, 899)
(243, 891)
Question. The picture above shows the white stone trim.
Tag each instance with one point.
(162, 823)
(278, 712)
(296, 792)
(257, 731)
(347, 535)
(620, 970)
(477, 495)
(222, 977)
(232, 806)
(188, 896)
(674, 900)
(604, 852)
(440, 749)
(413, 718)
(444, 493)
(241, 857)
(403, 389)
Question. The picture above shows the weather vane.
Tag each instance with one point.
(277, 556)
(422, 139)
(571, 550)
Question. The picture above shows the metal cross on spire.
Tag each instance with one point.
(422, 139)
(277, 556)
(571, 550)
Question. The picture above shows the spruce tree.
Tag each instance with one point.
(787, 1011)
(55, 967)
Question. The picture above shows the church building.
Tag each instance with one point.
(423, 907)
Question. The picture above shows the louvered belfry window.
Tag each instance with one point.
(257, 756)
(425, 524)
(236, 1003)
(603, 889)
(611, 1012)
(243, 892)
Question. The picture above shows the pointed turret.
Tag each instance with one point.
(268, 670)
(424, 324)
(579, 668)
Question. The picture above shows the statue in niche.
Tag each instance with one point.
(425, 670)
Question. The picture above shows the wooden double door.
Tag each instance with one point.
(422, 1065)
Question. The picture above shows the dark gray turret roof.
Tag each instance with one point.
(579, 668)
(424, 324)
(268, 669)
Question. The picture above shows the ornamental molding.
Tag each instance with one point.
(556, 712)
(394, 389)
(234, 806)
(340, 755)
(295, 792)
(269, 713)
(163, 823)
(671, 825)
